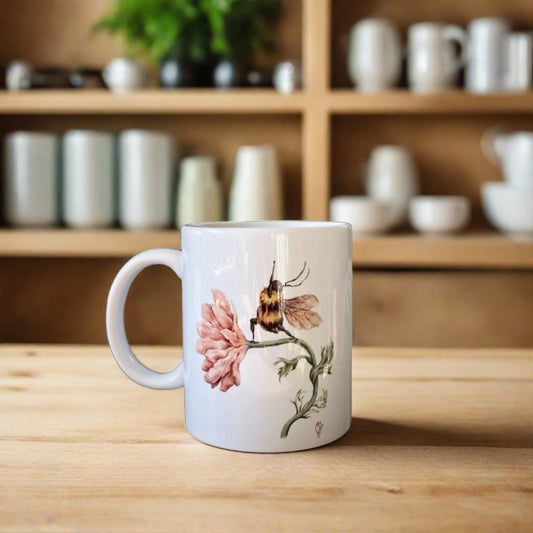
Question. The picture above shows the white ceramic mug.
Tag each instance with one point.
(392, 177)
(147, 166)
(31, 179)
(519, 62)
(374, 55)
(432, 63)
(267, 332)
(485, 68)
(89, 179)
(256, 190)
(513, 152)
(199, 194)
(123, 75)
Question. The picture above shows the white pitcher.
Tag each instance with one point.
(513, 152)
(374, 55)
(432, 64)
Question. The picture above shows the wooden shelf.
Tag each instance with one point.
(404, 102)
(78, 243)
(150, 101)
(482, 250)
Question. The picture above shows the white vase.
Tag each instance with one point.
(199, 195)
(256, 190)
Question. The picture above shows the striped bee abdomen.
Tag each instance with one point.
(269, 314)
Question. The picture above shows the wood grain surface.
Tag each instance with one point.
(440, 441)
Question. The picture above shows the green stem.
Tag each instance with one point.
(313, 376)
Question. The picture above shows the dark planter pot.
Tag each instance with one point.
(228, 74)
(174, 73)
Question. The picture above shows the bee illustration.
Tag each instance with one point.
(273, 306)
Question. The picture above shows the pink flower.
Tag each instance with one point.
(221, 342)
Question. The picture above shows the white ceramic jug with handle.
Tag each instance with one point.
(513, 152)
(433, 64)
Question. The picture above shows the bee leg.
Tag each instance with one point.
(253, 323)
(287, 332)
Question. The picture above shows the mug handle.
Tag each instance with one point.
(451, 32)
(116, 331)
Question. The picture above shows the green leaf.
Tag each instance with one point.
(286, 366)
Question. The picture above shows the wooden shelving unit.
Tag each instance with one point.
(323, 133)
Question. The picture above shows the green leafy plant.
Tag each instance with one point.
(193, 30)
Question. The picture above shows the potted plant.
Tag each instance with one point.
(175, 34)
(187, 37)
(240, 29)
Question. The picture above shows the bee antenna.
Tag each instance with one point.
(294, 282)
(272, 274)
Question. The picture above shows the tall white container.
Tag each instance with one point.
(88, 179)
(147, 168)
(31, 179)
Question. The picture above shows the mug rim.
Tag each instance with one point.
(267, 225)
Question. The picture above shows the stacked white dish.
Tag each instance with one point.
(509, 205)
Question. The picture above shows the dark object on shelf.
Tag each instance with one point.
(86, 78)
(2, 77)
(259, 78)
(50, 78)
(228, 74)
(174, 73)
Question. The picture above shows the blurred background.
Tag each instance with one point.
(123, 120)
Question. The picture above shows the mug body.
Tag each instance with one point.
(88, 179)
(267, 334)
(519, 62)
(485, 69)
(146, 168)
(374, 55)
(31, 179)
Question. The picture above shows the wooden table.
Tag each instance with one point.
(440, 441)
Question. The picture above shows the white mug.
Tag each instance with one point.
(31, 179)
(147, 162)
(519, 62)
(374, 55)
(199, 194)
(392, 177)
(513, 152)
(267, 332)
(485, 68)
(89, 179)
(432, 64)
(256, 190)
(123, 75)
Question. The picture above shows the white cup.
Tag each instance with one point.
(519, 62)
(31, 179)
(392, 177)
(88, 179)
(439, 215)
(374, 55)
(123, 74)
(147, 169)
(432, 63)
(513, 152)
(366, 215)
(485, 68)
(199, 196)
(256, 190)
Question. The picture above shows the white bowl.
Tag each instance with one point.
(366, 215)
(509, 208)
(439, 215)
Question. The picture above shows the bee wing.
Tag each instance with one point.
(298, 311)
